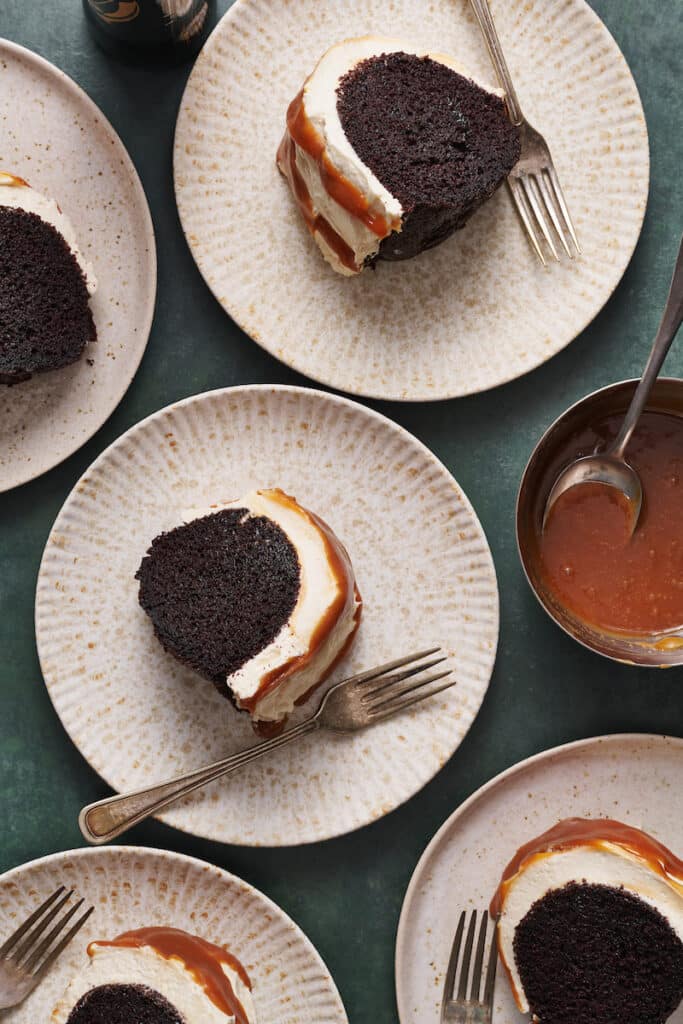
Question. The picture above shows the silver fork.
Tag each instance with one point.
(28, 954)
(352, 704)
(533, 181)
(459, 1008)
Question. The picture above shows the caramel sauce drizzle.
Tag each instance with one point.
(12, 180)
(574, 832)
(301, 132)
(202, 959)
(340, 564)
(301, 129)
(316, 223)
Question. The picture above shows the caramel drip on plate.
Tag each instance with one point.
(202, 959)
(592, 832)
(340, 564)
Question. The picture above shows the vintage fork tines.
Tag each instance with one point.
(536, 191)
(29, 952)
(533, 182)
(475, 1007)
(382, 692)
(383, 682)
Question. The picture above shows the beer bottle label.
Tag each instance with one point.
(116, 11)
(150, 29)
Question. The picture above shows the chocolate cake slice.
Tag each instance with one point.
(158, 975)
(388, 151)
(219, 589)
(600, 955)
(258, 596)
(590, 925)
(45, 317)
(123, 1004)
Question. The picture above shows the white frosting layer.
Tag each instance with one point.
(320, 104)
(17, 194)
(598, 864)
(319, 589)
(118, 965)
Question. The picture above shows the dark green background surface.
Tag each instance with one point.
(346, 894)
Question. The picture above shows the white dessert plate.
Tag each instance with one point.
(132, 887)
(423, 567)
(54, 136)
(633, 778)
(470, 314)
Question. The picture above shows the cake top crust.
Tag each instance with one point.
(204, 960)
(592, 832)
(158, 975)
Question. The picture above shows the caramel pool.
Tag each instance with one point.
(616, 582)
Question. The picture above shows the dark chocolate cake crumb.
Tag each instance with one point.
(219, 589)
(124, 1004)
(45, 318)
(436, 140)
(593, 954)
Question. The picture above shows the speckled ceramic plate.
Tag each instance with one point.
(423, 567)
(132, 887)
(53, 135)
(633, 778)
(478, 310)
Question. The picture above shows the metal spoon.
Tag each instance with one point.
(610, 467)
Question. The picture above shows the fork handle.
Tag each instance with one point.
(488, 28)
(105, 820)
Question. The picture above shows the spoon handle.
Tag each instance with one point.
(668, 328)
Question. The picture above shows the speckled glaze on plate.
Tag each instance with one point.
(633, 778)
(55, 137)
(423, 567)
(133, 887)
(470, 314)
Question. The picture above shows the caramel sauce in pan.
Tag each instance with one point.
(202, 959)
(586, 832)
(587, 557)
(286, 159)
(340, 564)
